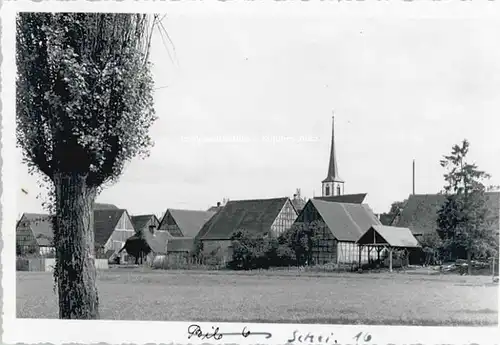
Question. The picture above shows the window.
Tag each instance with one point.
(338, 189)
(327, 190)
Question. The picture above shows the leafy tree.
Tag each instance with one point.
(84, 108)
(388, 218)
(244, 250)
(136, 246)
(432, 246)
(301, 238)
(286, 256)
(257, 251)
(463, 218)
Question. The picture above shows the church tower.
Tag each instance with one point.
(332, 185)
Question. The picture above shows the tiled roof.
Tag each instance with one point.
(346, 198)
(207, 225)
(180, 244)
(391, 235)
(255, 216)
(347, 222)
(105, 221)
(157, 241)
(41, 226)
(189, 222)
(214, 208)
(141, 221)
(104, 224)
(420, 212)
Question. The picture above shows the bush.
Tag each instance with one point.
(432, 246)
(254, 252)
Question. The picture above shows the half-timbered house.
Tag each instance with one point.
(263, 217)
(145, 222)
(184, 223)
(34, 235)
(343, 225)
(112, 228)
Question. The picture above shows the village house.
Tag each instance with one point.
(344, 225)
(345, 216)
(184, 223)
(112, 227)
(264, 217)
(420, 213)
(34, 235)
(145, 222)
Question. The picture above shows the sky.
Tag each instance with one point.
(245, 109)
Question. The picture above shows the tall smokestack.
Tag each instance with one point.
(413, 177)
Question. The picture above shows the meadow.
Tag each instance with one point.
(342, 298)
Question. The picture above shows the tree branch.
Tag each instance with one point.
(106, 170)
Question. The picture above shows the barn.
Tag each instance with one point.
(390, 238)
(419, 213)
(260, 216)
(112, 227)
(184, 223)
(344, 225)
(34, 233)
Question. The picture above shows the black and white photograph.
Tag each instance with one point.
(270, 168)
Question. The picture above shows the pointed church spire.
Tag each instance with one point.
(333, 173)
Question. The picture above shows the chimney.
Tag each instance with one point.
(218, 203)
(413, 189)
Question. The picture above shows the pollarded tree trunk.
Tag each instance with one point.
(74, 240)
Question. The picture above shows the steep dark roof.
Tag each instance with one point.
(391, 235)
(180, 244)
(41, 226)
(255, 216)
(207, 225)
(141, 221)
(104, 224)
(105, 221)
(99, 206)
(347, 222)
(419, 214)
(189, 221)
(346, 198)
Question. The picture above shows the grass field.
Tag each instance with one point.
(260, 297)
